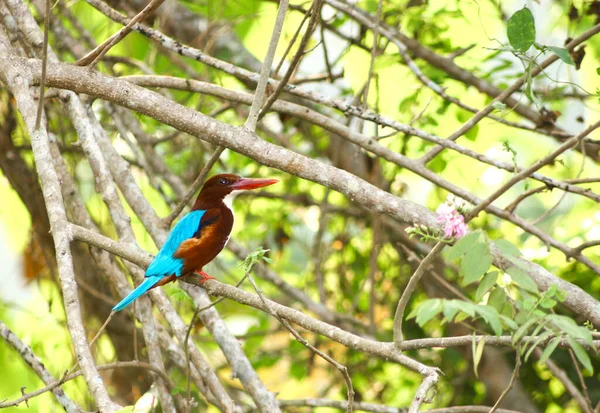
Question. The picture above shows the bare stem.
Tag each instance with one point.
(266, 67)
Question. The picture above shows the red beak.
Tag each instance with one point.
(253, 183)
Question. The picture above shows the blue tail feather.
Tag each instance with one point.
(148, 283)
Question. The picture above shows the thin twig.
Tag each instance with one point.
(293, 40)
(584, 388)
(189, 330)
(564, 195)
(373, 55)
(38, 367)
(373, 269)
(362, 140)
(314, 17)
(563, 377)
(528, 171)
(508, 92)
(513, 205)
(50, 185)
(95, 55)
(168, 220)
(420, 397)
(343, 370)
(71, 376)
(511, 383)
(410, 288)
(266, 67)
(589, 244)
(330, 75)
(379, 408)
(38, 117)
(318, 252)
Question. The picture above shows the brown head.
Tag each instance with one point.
(216, 188)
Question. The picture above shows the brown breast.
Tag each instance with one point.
(215, 228)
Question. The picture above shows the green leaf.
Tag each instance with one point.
(523, 279)
(477, 353)
(461, 317)
(438, 164)
(177, 390)
(471, 134)
(488, 281)
(581, 354)
(266, 360)
(528, 303)
(534, 335)
(549, 349)
(475, 263)
(427, 310)
(561, 295)
(254, 257)
(491, 317)
(537, 342)
(507, 248)
(547, 302)
(521, 30)
(497, 299)
(298, 370)
(510, 323)
(569, 326)
(521, 317)
(538, 328)
(463, 245)
(449, 309)
(562, 53)
(529, 86)
(524, 328)
(466, 307)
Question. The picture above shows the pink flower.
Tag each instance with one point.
(452, 220)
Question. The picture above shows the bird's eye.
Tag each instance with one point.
(223, 181)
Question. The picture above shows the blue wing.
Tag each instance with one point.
(164, 263)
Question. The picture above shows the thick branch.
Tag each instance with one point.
(249, 144)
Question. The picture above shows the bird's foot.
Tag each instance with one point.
(204, 276)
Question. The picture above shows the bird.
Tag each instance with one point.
(198, 237)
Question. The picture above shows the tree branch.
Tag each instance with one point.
(265, 71)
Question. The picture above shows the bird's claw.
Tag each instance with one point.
(204, 276)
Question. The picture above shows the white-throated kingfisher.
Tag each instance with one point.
(198, 237)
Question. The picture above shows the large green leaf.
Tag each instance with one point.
(491, 317)
(563, 54)
(488, 281)
(507, 248)
(536, 342)
(475, 263)
(525, 328)
(466, 307)
(581, 354)
(509, 322)
(428, 310)
(549, 349)
(523, 279)
(463, 245)
(450, 309)
(477, 353)
(497, 299)
(521, 30)
(571, 328)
